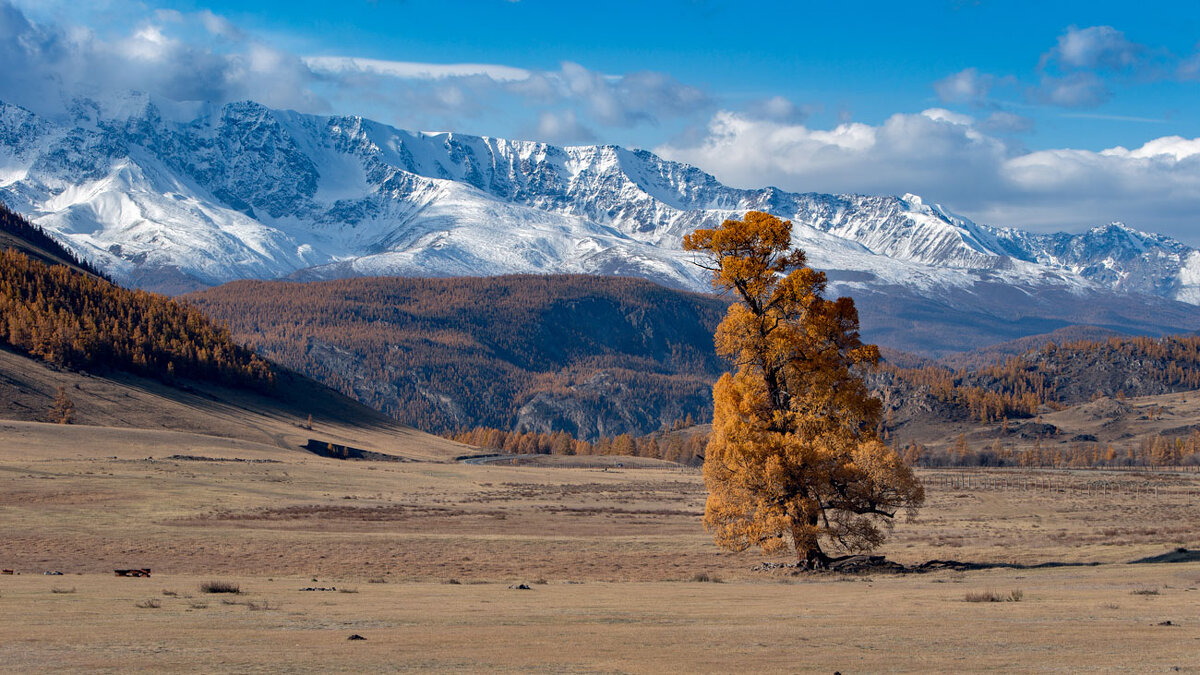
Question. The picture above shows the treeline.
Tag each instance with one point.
(35, 241)
(443, 354)
(673, 447)
(85, 322)
(1062, 375)
(1149, 451)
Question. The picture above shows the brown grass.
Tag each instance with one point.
(995, 596)
(612, 547)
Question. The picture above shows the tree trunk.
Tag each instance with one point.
(814, 559)
(808, 546)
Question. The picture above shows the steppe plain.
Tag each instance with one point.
(423, 554)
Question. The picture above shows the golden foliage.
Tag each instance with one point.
(673, 447)
(79, 321)
(793, 459)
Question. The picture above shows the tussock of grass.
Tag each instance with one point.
(220, 587)
(57, 589)
(152, 603)
(705, 577)
(1144, 591)
(995, 596)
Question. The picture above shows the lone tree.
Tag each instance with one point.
(794, 459)
(62, 410)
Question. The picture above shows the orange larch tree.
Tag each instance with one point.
(794, 459)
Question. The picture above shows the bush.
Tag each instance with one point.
(220, 587)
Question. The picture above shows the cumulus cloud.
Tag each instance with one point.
(45, 64)
(954, 159)
(203, 56)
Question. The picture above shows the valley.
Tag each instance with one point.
(423, 554)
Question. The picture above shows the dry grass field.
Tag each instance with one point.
(611, 555)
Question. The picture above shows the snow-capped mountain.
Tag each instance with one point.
(174, 197)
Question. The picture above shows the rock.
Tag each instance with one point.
(356, 636)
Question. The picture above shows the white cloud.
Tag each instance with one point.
(1095, 48)
(1075, 90)
(414, 70)
(952, 159)
(562, 127)
(203, 56)
(965, 86)
(44, 64)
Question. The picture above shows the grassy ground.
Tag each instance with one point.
(1067, 620)
(616, 548)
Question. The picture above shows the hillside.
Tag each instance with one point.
(19, 234)
(599, 357)
(75, 348)
(594, 356)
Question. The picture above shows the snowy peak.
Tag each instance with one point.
(172, 196)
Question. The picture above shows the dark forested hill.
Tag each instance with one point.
(594, 356)
(601, 356)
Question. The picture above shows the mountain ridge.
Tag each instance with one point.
(176, 198)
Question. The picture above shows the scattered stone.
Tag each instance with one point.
(54, 573)
(1166, 623)
(520, 587)
(319, 588)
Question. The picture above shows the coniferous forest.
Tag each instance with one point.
(84, 322)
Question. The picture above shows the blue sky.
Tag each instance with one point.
(1043, 115)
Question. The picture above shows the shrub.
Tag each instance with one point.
(220, 587)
